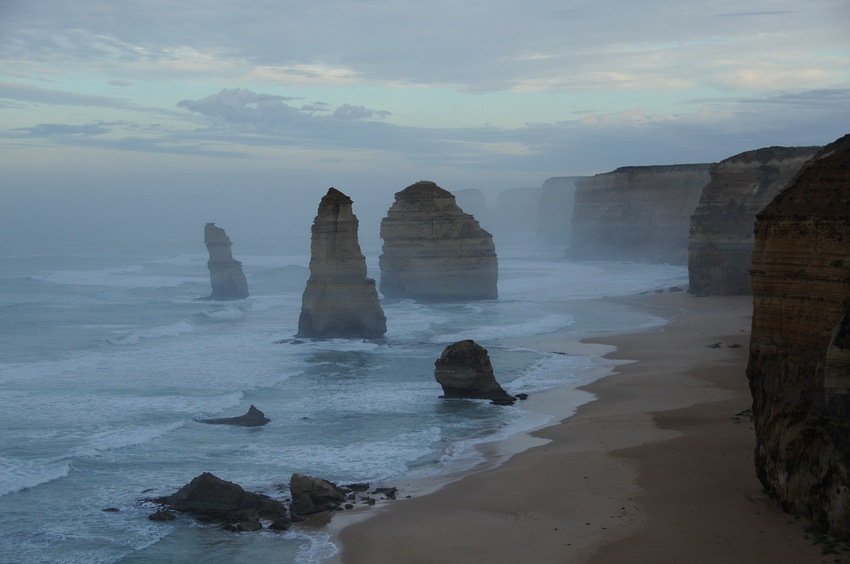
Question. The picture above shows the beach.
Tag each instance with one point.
(657, 468)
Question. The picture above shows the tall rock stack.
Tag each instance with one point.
(799, 365)
(638, 213)
(226, 277)
(433, 251)
(339, 300)
(721, 235)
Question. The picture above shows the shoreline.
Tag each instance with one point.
(658, 467)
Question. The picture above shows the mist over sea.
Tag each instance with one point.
(108, 359)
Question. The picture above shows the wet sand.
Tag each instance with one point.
(658, 468)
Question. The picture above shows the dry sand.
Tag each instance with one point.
(658, 469)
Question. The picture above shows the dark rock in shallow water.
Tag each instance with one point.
(313, 495)
(252, 418)
(214, 499)
(464, 371)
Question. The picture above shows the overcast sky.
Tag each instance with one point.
(217, 103)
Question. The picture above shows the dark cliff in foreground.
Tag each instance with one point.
(433, 251)
(721, 233)
(799, 365)
(226, 277)
(339, 300)
(638, 213)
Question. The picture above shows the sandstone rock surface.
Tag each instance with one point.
(211, 498)
(252, 418)
(433, 251)
(464, 370)
(799, 365)
(339, 300)
(638, 213)
(226, 277)
(721, 233)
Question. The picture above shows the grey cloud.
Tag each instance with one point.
(51, 129)
(349, 112)
(13, 91)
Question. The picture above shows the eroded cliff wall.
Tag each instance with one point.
(555, 210)
(339, 300)
(639, 213)
(799, 365)
(226, 276)
(721, 233)
(433, 251)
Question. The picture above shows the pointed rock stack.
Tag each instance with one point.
(433, 251)
(799, 365)
(226, 277)
(339, 300)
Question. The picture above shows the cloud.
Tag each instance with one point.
(53, 129)
(27, 93)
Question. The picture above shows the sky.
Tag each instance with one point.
(123, 116)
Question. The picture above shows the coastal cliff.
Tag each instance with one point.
(721, 232)
(799, 365)
(555, 210)
(433, 251)
(339, 300)
(226, 277)
(639, 213)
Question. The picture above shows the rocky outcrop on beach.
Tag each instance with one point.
(339, 300)
(313, 495)
(721, 233)
(637, 213)
(464, 370)
(252, 418)
(212, 499)
(433, 251)
(799, 365)
(555, 210)
(226, 277)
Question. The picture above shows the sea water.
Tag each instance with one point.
(107, 362)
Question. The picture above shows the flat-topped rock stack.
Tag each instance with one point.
(434, 251)
(721, 235)
(339, 300)
(226, 277)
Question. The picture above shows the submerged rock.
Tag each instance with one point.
(433, 251)
(464, 371)
(226, 277)
(339, 300)
(252, 418)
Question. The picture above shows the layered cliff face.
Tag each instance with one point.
(339, 300)
(639, 213)
(799, 365)
(433, 251)
(555, 210)
(721, 234)
(226, 277)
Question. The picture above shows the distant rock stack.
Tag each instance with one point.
(339, 301)
(464, 371)
(721, 236)
(226, 276)
(433, 251)
(799, 365)
(636, 213)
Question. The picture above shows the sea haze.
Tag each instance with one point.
(107, 361)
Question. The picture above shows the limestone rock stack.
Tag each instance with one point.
(433, 251)
(464, 370)
(799, 365)
(638, 213)
(721, 234)
(226, 277)
(339, 300)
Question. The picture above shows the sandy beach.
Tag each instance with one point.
(658, 468)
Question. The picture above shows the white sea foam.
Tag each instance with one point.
(17, 475)
(165, 331)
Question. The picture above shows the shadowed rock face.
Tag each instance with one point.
(339, 300)
(433, 251)
(639, 213)
(799, 365)
(721, 234)
(464, 371)
(226, 277)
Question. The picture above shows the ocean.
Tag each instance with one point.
(107, 360)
